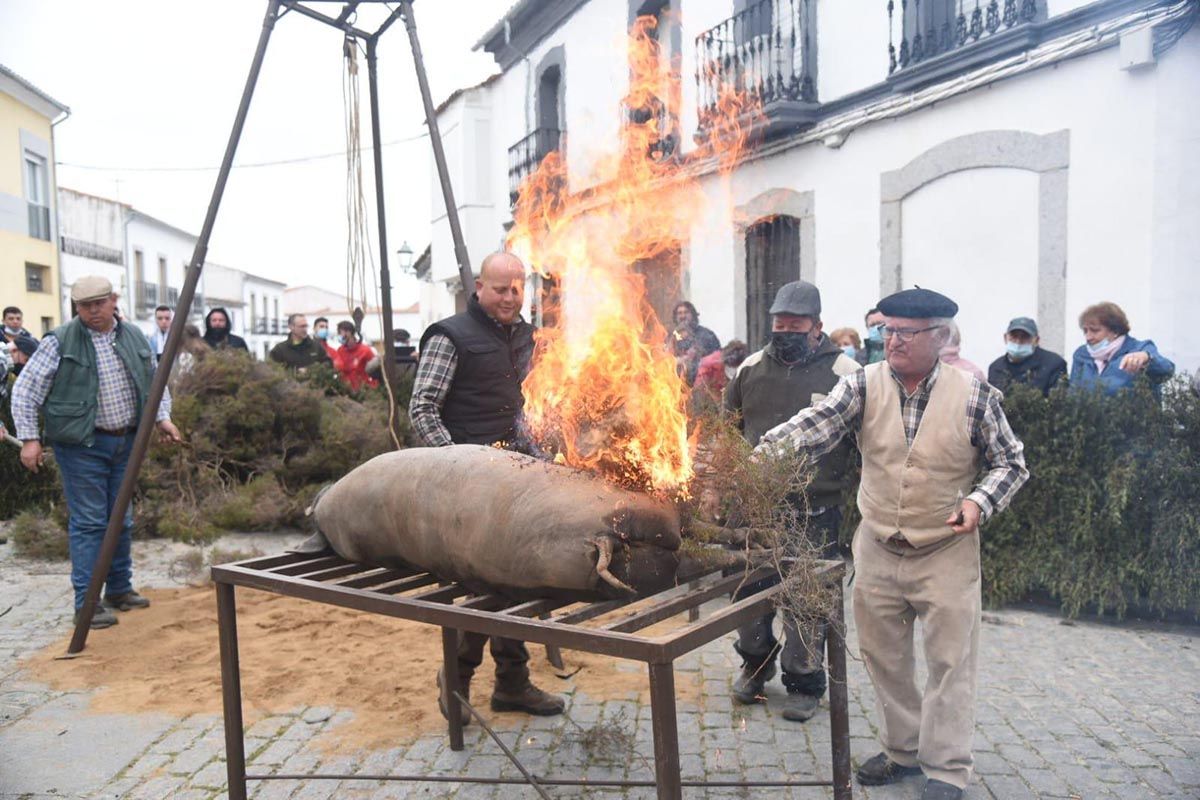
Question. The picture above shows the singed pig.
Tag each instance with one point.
(501, 521)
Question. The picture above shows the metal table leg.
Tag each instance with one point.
(666, 731)
(450, 686)
(231, 691)
(839, 710)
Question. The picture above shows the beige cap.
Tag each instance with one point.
(91, 287)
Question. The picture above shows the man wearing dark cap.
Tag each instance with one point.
(90, 378)
(797, 368)
(1024, 361)
(938, 458)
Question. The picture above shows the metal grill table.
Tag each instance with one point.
(609, 628)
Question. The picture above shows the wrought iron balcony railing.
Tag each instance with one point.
(146, 295)
(764, 51)
(525, 155)
(930, 28)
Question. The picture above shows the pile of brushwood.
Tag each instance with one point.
(259, 443)
(759, 504)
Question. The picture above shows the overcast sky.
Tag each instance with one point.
(153, 86)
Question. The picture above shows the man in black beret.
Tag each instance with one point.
(927, 433)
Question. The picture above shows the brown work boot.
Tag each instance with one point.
(463, 688)
(527, 699)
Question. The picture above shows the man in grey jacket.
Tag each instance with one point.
(796, 369)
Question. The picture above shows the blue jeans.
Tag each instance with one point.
(91, 477)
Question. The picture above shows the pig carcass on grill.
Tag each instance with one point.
(502, 522)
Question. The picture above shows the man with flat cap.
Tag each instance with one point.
(1025, 360)
(939, 458)
(90, 378)
(797, 368)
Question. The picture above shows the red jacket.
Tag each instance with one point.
(350, 360)
(710, 377)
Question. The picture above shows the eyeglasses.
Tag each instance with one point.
(907, 334)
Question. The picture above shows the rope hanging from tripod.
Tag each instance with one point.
(359, 261)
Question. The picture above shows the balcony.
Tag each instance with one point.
(764, 52)
(145, 296)
(941, 38)
(267, 327)
(525, 156)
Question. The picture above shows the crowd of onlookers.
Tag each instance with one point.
(1110, 359)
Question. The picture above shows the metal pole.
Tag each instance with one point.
(439, 154)
(231, 691)
(141, 442)
(839, 702)
(450, 684)
(385, 274)
(664, 724)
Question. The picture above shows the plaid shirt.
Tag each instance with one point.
(819, 428)
(116, 405)
(435, 373)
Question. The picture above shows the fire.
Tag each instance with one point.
(604, 392)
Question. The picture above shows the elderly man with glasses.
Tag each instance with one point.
(939, 458)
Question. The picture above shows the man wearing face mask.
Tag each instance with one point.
(796, 369)
(322, 336)
(872, 351)
(1024, 361)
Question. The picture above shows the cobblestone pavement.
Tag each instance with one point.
(1079, 710)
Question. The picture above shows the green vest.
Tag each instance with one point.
(70, 408)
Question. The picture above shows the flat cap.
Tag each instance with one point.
(1023, 324)
(798, 297)
(91, 287)
(918, 303)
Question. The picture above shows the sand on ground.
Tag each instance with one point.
(296, 654)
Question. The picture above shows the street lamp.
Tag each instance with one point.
(406, 256)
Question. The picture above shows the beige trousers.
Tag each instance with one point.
(895, 585)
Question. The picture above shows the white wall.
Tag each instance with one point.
(154, 239)
(970, 224)
(96, 221)
(1131, 191)
(265, 297)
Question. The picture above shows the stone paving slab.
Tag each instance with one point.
(1080, 710)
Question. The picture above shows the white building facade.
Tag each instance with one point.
(91, 242)
(1028, 159)
(314, 302)
(264, 318)
(157, 255)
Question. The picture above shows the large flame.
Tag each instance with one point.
(604, 393)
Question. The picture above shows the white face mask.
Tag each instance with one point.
(730, 371)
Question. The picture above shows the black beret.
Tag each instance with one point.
(26, 344)
(918, 304)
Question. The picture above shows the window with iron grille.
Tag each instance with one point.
(772, 259)
(37, 278)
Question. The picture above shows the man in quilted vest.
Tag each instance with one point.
(89, 379)
(939, 458)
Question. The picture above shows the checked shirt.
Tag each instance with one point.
(819, 428)
(116, 405)
(435, 374)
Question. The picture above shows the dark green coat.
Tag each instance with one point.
(70, 407)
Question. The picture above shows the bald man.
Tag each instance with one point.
(468, 391)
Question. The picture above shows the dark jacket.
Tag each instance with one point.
(299, 356)
(870, 353)
(1084, 374)
(70, 407)
(1042, 370)
(222, 338)
(484, 401)
(766, 392)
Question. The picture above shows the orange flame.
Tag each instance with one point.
(604, 392)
